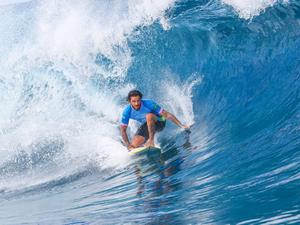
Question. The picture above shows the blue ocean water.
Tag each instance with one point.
(231, 68)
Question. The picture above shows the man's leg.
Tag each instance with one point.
(140, 136)
(151, 120)
(137, 141)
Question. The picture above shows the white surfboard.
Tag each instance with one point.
(142, 150)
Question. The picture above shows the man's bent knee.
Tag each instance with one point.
(150, 116)
(137, 141)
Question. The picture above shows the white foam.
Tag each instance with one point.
(178, 97)
(247, 9)
(46, 71)
(11, 2)
(77, 31)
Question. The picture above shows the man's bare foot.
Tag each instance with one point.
(130, 147)
(149, 143)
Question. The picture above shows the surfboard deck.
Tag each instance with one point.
(143, 149)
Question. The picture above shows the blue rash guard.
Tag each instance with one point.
(147, 106)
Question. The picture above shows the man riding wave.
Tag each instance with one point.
(150, 115)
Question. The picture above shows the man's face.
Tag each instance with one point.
(135, 102)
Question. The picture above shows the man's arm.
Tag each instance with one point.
(125, 137)
(170, 116)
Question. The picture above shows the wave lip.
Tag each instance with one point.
(248, 9)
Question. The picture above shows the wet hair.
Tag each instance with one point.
(133, 93)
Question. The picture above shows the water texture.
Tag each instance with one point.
(231, 68)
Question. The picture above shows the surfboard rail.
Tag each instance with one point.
(142, 149)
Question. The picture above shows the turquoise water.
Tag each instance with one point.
(229, 67)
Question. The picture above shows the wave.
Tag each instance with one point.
(229, 67)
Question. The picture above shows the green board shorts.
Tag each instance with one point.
(143, 129)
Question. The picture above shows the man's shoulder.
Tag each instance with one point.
(127, 109)
(152, 105)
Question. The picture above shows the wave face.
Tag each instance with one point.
(231, 68)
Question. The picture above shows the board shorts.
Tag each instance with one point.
(143, 129)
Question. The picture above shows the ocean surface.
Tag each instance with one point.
(229, 67)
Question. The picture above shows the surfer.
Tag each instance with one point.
(151, 116)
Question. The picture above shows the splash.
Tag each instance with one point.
(248, 9)
(10, 2)
(62, 77)
(178, 98)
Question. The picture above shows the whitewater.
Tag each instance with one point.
(229, 67)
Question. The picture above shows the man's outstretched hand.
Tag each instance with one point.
(186, 127)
